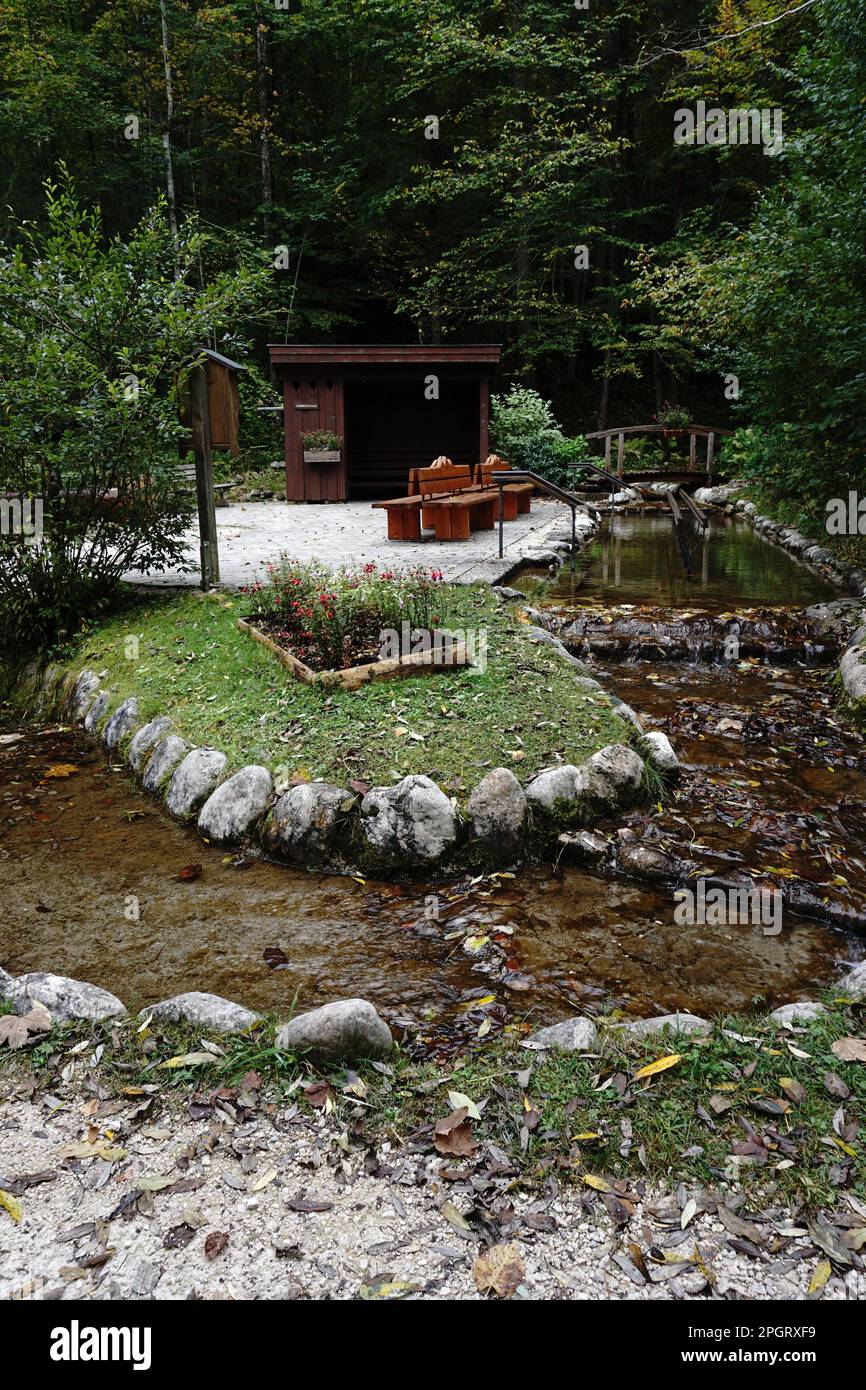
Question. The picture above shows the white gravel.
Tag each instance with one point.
(387, 1224)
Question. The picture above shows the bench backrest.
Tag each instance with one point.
(492, 464)
(429, 481)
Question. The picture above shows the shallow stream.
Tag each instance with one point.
(97, 881)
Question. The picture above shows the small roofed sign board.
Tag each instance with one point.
(222, 398)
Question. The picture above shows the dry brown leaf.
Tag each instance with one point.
(453, 1135)
(849, 1049)
(499, 1270)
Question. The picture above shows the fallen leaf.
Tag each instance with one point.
(820, 1275)
(11, 1204)
(215, 1244)
(499, 1270)
(188, 1059)
(189, 873)
(453, 1135)
(61, 770)
(652, 1068)
(849, 1049)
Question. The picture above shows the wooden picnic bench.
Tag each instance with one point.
(449, 501)
(443, 498)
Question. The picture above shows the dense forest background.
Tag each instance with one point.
(303, 131)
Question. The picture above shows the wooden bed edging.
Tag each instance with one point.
(353, 677)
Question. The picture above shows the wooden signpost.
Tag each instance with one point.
(213, 417)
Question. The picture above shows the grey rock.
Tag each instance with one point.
(677, 1023)
(413, 821)
(853, 985)
(626, 496)
(145, 740)
(232, 811)
(852, 667)
(203, 1011)
(645, 862)
(585, 847)
(345, 1030)
(803, 1012)
(497, 809)
(6, 981)
(63, 998)
(96, 713)
(564, 783)
(163, 760)
(193, 781)
(304, 822)
(662, 754)
(540, 556)
(719, 495)
(626, 712)
(121, 723)
(614, 774)
(573, 1035)
(84, 692)
(507, 595)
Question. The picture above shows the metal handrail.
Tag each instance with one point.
(525, 474)
(697, 512)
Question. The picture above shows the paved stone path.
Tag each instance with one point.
(252, 533)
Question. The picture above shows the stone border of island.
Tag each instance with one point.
(352, 1029)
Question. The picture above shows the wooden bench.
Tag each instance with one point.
(517, 498)
(445, 499)
(407, 514)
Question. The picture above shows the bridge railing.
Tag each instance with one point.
(695, 432)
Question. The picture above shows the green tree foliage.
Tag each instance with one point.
(96, 339)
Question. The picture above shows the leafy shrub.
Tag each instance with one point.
(795, 472)
(332, 620)
(96, 341)
(519, 417)
(555, 457)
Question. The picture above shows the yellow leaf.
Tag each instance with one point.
(820, 1276)
(598, 1183)
(652, 1068)
(484, 1029)
(188, 1059)
(584, 1138)
(61, 770)
(846, 1148)
(11, 1204)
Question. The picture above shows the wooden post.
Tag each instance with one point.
(692, 454)
(620, 455)
(484, 418)
(607, 440)
(201, 444)
(711, 442)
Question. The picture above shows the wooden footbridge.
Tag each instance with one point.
(700, 473)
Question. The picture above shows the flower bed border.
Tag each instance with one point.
(353, 677)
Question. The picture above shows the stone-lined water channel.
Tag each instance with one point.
(774, 786)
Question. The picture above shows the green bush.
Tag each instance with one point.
(795, 472)
(96, 342)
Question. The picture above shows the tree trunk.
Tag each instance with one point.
(604, 401)
(166, 130)
(262, 79)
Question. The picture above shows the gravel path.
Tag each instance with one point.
(388, 1223)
